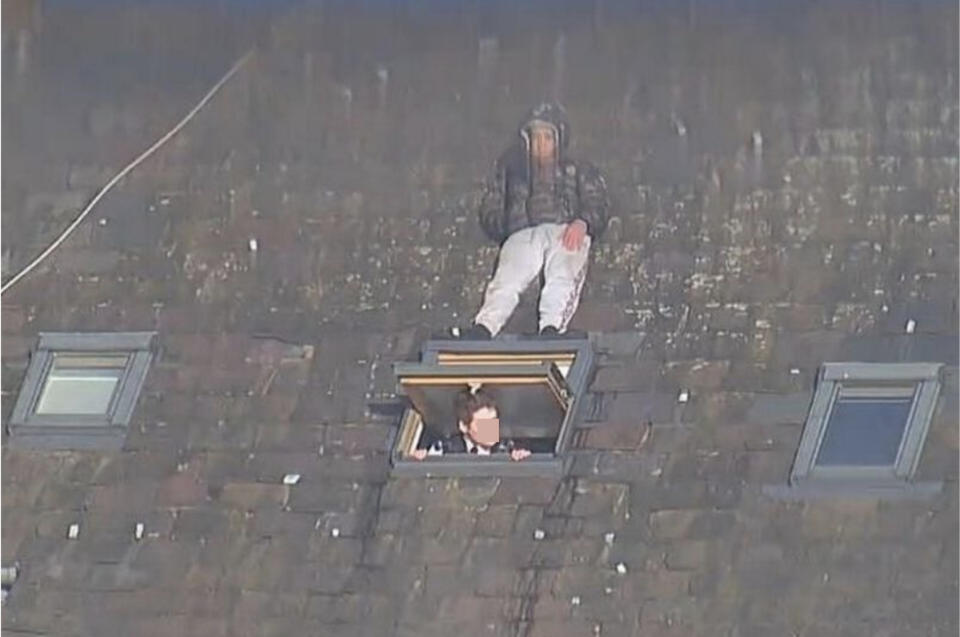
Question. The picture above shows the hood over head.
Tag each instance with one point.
(552, 114)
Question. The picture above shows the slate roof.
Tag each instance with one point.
(736, 265)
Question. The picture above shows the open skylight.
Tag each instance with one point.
(536, 385)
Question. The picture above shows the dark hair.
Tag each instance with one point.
(467, 402)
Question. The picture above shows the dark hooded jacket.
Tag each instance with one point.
(577, 191)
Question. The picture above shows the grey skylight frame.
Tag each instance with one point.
(576, 379)
(879, 379)
(29, 429)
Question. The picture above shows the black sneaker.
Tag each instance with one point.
(476, 332)
(549, 331)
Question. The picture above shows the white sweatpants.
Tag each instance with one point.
(523, 255)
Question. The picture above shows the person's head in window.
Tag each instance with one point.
(477, 417)
(478, 422)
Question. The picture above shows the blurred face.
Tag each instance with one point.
(543, 145)
(484, 429)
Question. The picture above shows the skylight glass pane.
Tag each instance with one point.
(864, 431)
(81, 385)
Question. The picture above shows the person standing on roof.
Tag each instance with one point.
(544, 209)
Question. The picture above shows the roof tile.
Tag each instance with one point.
(525, 491)
(250, 496)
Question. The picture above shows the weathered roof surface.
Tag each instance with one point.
(786, 191)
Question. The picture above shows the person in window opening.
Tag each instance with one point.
(545, 210)
(479, 425)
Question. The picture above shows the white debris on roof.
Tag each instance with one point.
(8, 575)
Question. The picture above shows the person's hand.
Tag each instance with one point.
(573, 235)
(519, 454)
(418, 454)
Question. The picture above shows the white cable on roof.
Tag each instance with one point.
(123, 173)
